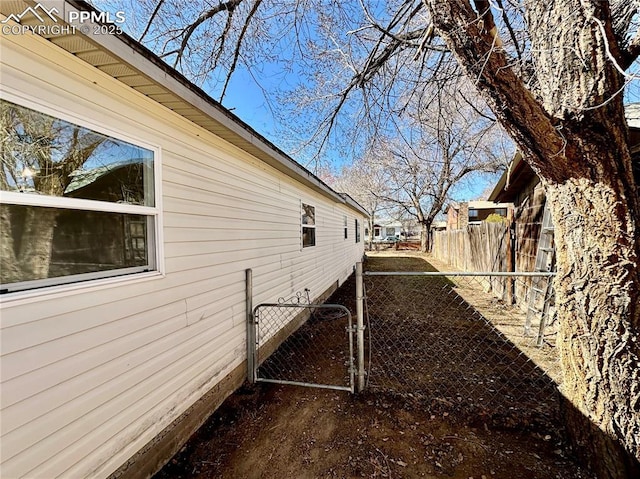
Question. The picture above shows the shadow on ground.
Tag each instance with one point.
(273, 431)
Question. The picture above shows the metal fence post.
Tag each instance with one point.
(360, 325)
(251, 328)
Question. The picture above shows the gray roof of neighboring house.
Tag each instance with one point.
(82, 177)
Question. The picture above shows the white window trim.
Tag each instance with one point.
(303, 226)
(59, 285)
(69, 289)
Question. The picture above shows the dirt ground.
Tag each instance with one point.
(274, 431)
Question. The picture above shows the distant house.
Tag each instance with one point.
(461, 215)
(132, 206)
(383, 229)
(521, 186)
(440, 225)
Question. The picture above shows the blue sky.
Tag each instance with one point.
(246, 99)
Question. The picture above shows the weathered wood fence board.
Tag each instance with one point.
(483, 247)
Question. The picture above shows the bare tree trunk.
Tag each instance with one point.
(9, 270)
(37, 242)
(599, 305)
(424, 237)
(30, 258)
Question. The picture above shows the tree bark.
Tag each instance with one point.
(37, 242)
(9, 269)
(424, 236)
(371, 223)
(32, 259)
(597, 293)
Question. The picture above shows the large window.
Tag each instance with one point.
(357, 231)
(308, 225)
(76, 204)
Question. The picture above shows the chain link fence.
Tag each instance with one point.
(304, 344)
(449, 338)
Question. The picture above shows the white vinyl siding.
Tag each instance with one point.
(92, 372)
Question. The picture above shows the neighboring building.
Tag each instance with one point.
(632, 112)
(383, 229)
(133, 204)
(461, 215)
(439, 225)
(520, 185)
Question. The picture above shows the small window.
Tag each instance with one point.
(357, 231)
(308, 225)
(346, 229)
(473, 213)
(501, 211)
(77, 204)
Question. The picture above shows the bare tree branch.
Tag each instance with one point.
(236, 52)
(228, 7)
(151, 19)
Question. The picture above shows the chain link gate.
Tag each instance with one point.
(298, 343)
(444, 336)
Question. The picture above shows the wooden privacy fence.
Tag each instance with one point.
(484, 247)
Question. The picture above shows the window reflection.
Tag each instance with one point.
(44, 155)
(53, 238)
(77, 242)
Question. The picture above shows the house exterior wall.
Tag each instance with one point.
(529, 208)
(483, 214)
(529, 205)
(382, 229)
(452, 218)
(92, 373)
(473, 213)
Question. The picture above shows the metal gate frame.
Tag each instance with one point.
(254, 341)
(358, 366)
